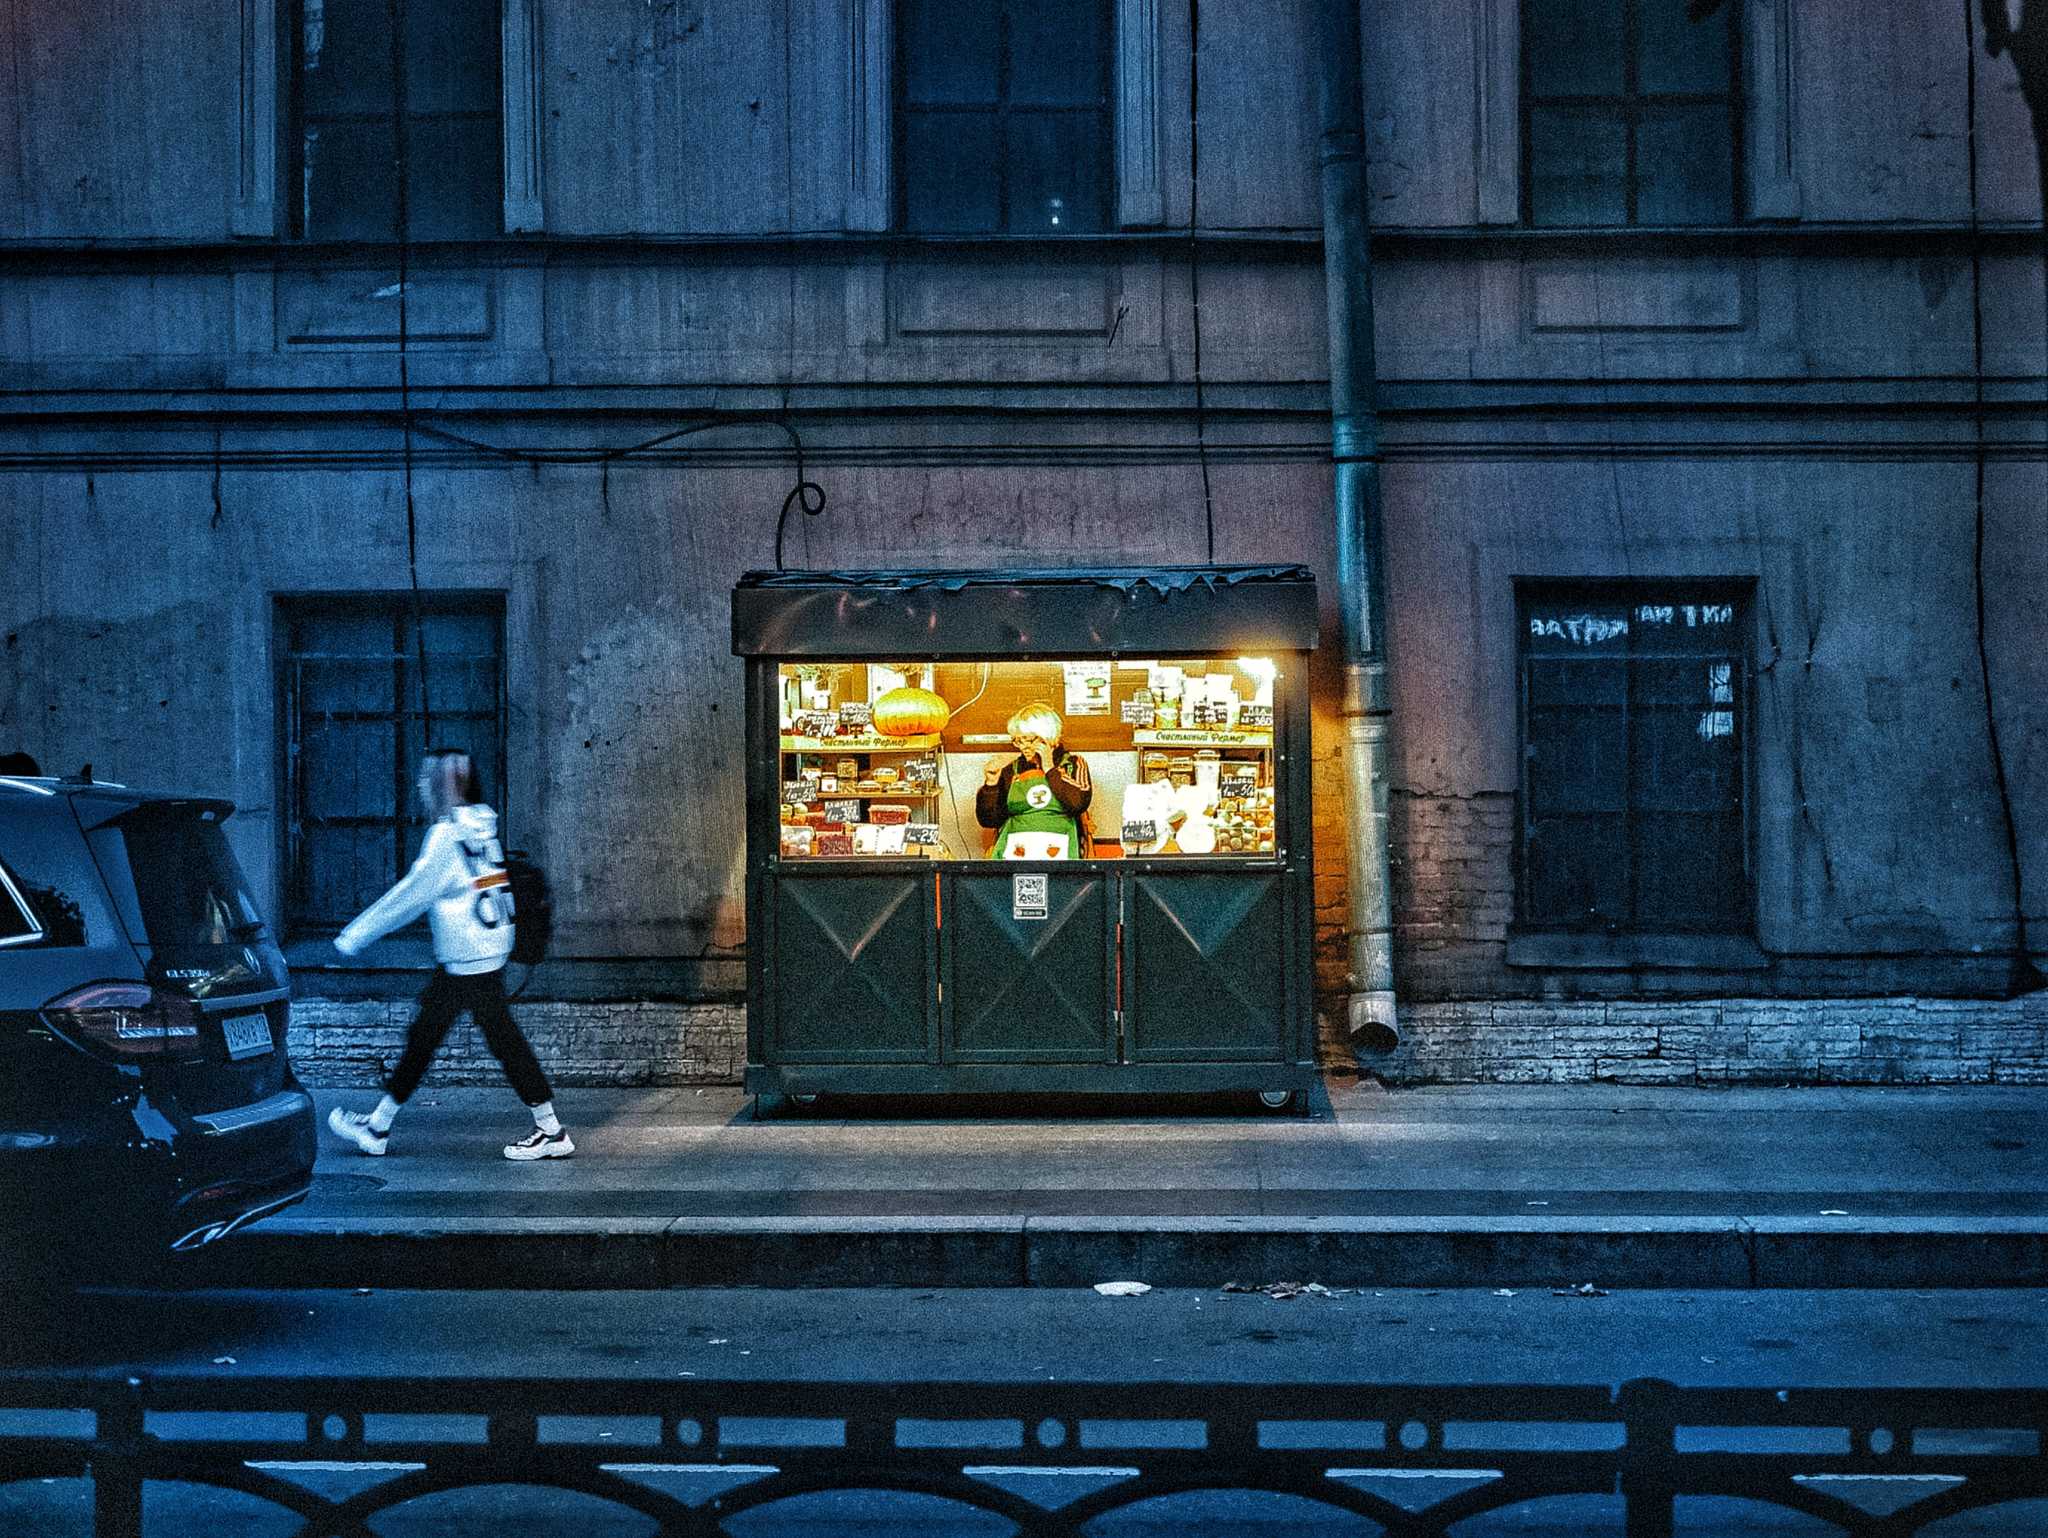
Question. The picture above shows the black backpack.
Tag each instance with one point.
(533, 909)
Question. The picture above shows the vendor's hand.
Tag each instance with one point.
(1039, 751)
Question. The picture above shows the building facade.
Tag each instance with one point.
(346, 341)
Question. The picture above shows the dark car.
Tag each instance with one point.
(146, 1101)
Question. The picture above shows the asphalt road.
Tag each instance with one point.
(1177, 1339)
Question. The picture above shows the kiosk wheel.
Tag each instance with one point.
(1277, 1099)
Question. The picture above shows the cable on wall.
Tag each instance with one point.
(2024, 976)
(805, 495)
(1195, 265)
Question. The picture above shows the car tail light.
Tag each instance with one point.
(128, 1020)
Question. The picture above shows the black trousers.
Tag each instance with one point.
(483, 995)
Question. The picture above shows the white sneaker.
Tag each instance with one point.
(354, 1127)
(541, 1145)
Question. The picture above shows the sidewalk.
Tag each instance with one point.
(1447, 1186)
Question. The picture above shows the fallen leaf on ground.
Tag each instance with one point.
(1123, 1289)
(223, 1361)
(1286, 1290)
(1503, 1292)
(1583, 1290)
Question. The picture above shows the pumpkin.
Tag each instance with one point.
(910, 713)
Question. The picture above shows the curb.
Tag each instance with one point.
(1647, 1252)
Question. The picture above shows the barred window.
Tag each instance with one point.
(1629, 111)
(1635, 725)
(354, 733)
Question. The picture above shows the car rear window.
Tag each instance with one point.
(188, 887)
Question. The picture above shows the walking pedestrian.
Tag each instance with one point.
(459, 882)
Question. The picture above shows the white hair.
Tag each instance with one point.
(1039, 719)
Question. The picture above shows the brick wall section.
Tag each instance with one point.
(336, 1044)
(1723, 1041)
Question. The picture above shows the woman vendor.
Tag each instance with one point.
(1036, 801)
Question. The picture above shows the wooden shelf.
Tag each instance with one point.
(870, 744)
(872, 795)
(1202, 737)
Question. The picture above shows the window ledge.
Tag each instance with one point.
(1678, 952)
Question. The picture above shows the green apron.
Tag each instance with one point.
(1032, 808)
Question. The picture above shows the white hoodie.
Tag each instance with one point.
(459, 882)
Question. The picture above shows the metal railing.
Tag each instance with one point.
(1644, 1445)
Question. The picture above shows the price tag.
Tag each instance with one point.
(817, 723)
(855, 718)
(1237, 780)
(842, 811)
(1143, 831)
(924, 833)
(1255, 715)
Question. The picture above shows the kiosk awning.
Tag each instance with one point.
(1127, 611)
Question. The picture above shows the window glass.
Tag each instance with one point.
(455, 178)
(1575, 47)
(347, 187)
(1003, 116)
(347, 108)
(1677, 55)
(956, 57)
(451, 56)
(1057, 184)
(345, 58)
(1628, 113)
(1578, 167)
(1635, 726)
(1683, 171)
(955, 188)
(355, 735)
(1166, 758)
(1057, 54)
(45, 898)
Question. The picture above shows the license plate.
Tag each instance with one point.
(248, 1035)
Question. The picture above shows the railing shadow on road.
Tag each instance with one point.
(1645, 1444)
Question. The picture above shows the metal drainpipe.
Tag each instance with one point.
(1361, 580)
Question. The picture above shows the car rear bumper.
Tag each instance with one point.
(150, 1174)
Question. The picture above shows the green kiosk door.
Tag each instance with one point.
(856, 959)
(1029, 966)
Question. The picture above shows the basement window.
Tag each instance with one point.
(1635, 723)
(354, 733)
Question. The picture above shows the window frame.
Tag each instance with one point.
(267, 192)
(1633, 592)
(1631, 104)
(1105, 112)
(397, 606)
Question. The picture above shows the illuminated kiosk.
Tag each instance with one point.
(892, 949)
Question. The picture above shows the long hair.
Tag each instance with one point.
(448, 779)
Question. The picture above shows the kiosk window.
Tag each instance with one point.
(1634, 728)
(1080, 758)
